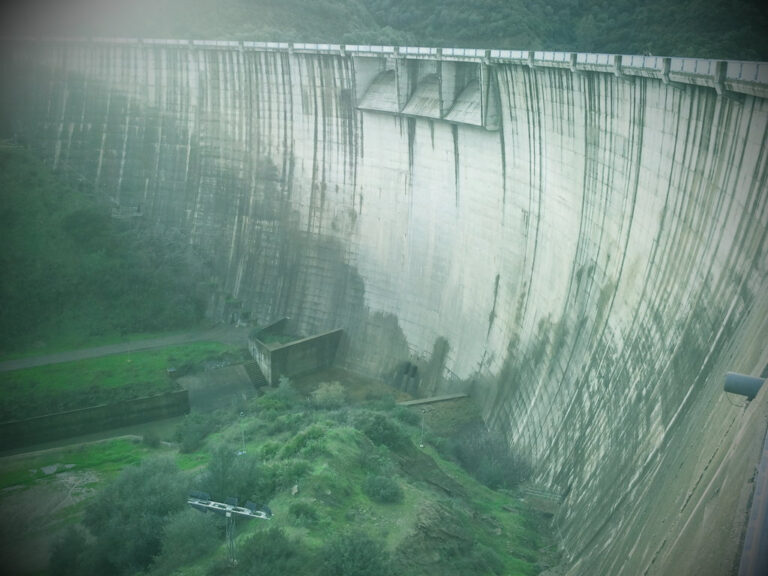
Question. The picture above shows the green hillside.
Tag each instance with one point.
(736, 29)
(697, 28)
(74, 274)
(356, 488)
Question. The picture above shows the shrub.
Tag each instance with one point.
(243, 477)
(330, 488)
(151, 439)
(278, 399)
(341, 416)
(286, 473)
(303, 511)
(329, 395)
(269, 450)
(66, 554)
(383, 489)
(270, 402)
(354, 554)
(487, 456)
(479, 560)
(308, 440)
(188, 535)
(193, 430)
(380, 402)
(285, 390)
(128, 516)
(407, 416)
(271, 553)
(377, 460)
(287, 423)
(381, 430)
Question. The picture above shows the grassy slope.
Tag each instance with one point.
(446, 522)
(103, 458)
(69, 385)
(444, 513)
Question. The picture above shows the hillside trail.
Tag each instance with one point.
(226, 334)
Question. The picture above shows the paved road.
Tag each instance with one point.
(225, 334)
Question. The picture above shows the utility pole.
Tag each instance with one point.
(421, 442)
(242, 435)
(202, 502)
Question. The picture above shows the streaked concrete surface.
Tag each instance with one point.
(591, 268)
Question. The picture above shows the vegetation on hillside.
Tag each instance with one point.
(733, 29)
(72, 272)
(699, 28)
(108, 379)
(351, 493)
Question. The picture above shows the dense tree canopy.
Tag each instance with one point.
(733, 29)
(128, 517)
(70, 267)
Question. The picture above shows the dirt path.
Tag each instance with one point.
(225, 334)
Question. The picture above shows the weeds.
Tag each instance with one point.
(487, 456)
(329, 395)
(383, 489)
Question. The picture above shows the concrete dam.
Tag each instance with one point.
(580, 241)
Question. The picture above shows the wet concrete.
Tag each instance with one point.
(593, 267)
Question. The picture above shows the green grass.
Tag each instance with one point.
(107, 458)
(482, 521)
(430, 531)
(70, 385)
(192, 461)
(66, 342)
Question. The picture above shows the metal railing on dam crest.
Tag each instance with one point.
(735, 75)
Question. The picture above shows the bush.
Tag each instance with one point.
(329, 395)
(354, 554)
(188, 535)
(193, 430)
(151, 439)
(383, 489)
(279, 399)
(308, 440)
(487, 456)
(243, 477)
(285, 390)
(129, 515)
(479, 560)
(380, 402)
(303, 511)
(381, 430)
(66, 554)
(330, 488)
(285, 474)
(407, 416)
(271, 553)
(291, 422)
(269, 450)
(377, 461)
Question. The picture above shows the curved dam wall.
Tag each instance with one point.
(581, 240)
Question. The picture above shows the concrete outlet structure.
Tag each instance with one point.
(581, 239)
(279, 352)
